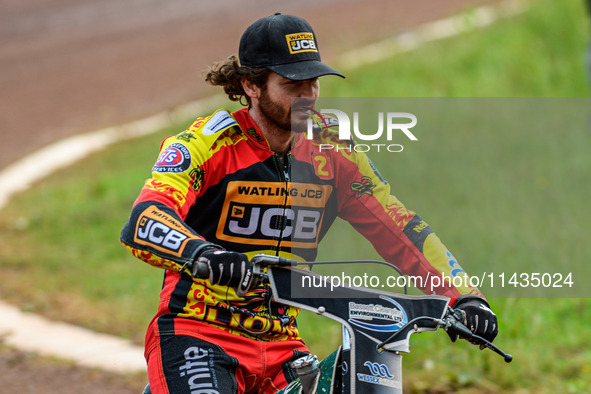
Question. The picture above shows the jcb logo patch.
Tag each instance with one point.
(161, 231)
(301, 42)
(268, 212)
(270, 222)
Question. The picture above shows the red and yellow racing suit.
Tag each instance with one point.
(219, 182)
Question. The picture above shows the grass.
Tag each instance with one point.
(537, 54)
(61, 257)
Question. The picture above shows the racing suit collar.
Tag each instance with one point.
(250, 129)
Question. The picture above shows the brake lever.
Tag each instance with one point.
(451, 322)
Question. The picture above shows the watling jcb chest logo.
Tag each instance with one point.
(301, 42)
(268, 212)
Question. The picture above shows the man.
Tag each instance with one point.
(225, 190)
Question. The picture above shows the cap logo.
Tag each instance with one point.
(301, 42)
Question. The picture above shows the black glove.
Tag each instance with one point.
(475, 313)
(226, 268)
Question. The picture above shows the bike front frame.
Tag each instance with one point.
(376, 328)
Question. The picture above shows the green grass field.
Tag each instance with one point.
(493, 197)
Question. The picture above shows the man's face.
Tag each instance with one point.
(275, 102)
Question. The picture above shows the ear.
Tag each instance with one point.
(251, 90)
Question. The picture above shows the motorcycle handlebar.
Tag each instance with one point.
(449, 322)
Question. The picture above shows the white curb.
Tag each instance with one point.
(87, 348)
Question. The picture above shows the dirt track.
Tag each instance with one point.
(71, 66)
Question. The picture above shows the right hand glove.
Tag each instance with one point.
(230, 269)
(474, 313)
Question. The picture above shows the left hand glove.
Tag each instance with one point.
(230, 269)
(475, 313)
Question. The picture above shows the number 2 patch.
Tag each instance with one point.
(322, 165)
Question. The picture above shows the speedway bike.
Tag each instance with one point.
(376, 327)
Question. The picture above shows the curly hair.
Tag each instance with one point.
(228, 75)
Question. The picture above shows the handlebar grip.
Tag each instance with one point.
(200, 270)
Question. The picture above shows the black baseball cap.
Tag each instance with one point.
(284, 44)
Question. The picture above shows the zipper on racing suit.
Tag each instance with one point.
(283, 169)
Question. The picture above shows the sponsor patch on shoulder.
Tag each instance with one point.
(219, 121)
(366, 186)
(175, 158)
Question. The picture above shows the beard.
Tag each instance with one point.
(281, 118)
